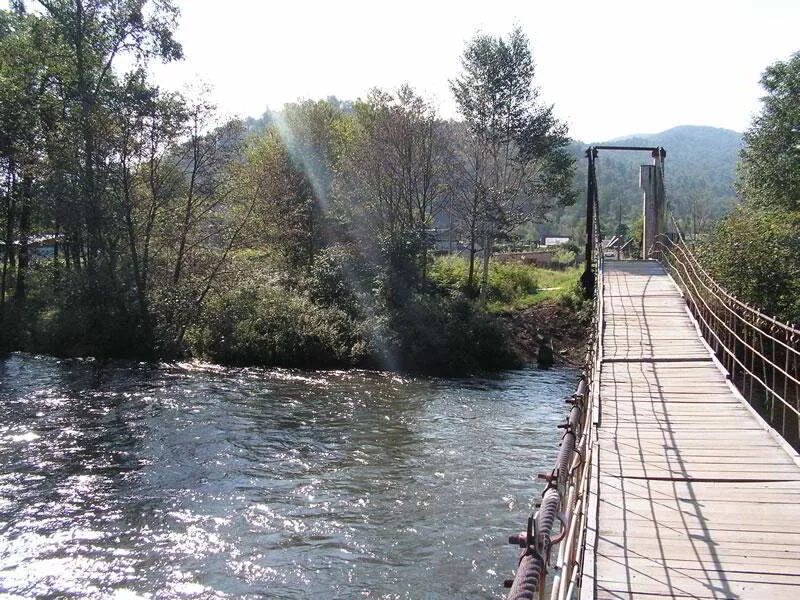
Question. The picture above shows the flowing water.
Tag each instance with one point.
(129, 480)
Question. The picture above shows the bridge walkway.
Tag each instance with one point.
(692, 495)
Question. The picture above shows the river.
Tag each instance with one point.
(130, 480)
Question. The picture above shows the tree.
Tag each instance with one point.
(290, 166)
(755, 251)
(27, 102)
(92, 35)
(769, 174)
(394, 179)
(514, 166)
(149, 178)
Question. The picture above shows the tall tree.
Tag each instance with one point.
(755, 250)
(94, 34)
(769, 174)
(396, 181)
(26, 102)
(514, 161)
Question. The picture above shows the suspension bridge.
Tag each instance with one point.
(677, 474)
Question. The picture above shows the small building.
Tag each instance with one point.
(40, 245)
(555, 240)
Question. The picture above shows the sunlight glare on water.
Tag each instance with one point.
(195, 481)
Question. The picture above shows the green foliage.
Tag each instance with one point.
(769, 176)
(303, 241)
(511, 286)
(512, 157)
(556, 285)
(336, 271)
(755, 251)
(755, 254)
(507, 281)
(270, 326)
(56, 318)
(398, 264)
(566, 255)
(441, 334)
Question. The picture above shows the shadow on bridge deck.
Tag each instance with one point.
(696, 498)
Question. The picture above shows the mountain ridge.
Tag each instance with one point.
(700, 177)
(677, 129)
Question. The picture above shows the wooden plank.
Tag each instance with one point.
(694, 496)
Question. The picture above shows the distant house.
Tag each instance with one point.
(555, 240)
(445, 240)
(40, 245)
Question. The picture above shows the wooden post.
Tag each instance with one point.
(651, 180)
(660, 196)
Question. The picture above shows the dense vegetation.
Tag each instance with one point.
(755, 251)
(302, 238)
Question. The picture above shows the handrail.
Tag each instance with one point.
(743, 321)
(565, 497)
(692, 261)
(563, 500)
(754, 348)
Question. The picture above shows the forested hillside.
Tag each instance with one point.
(700, 175)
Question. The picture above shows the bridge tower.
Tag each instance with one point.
(651, 181)
(654, 203)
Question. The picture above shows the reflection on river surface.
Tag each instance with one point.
(176, 481)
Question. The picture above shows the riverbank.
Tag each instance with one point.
(332, 319)
(552, 332)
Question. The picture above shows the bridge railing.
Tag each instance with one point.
(552, 546)
(552, 543)
(760, 353)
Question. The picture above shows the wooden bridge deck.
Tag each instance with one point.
(692, 495)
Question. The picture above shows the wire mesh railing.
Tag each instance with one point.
(760, 353)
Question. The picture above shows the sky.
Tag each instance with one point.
(610, 67)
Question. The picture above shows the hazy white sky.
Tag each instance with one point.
(612, 67)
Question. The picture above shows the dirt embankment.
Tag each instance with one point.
(554, 332)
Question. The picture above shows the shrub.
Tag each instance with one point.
(439, 334)
(62, 316)
(508, 281)
(273, 327)
(755, 254)
(334, 278)
(449, 272)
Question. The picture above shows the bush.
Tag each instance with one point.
(334, 277)
(755, 254)
(565, 258)
(438, 334)
(508, 281)
(272, 327)
(62, 316)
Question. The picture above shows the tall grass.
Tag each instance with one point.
(511, 286)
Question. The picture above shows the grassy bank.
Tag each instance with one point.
(512, 287)
(542, 311)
